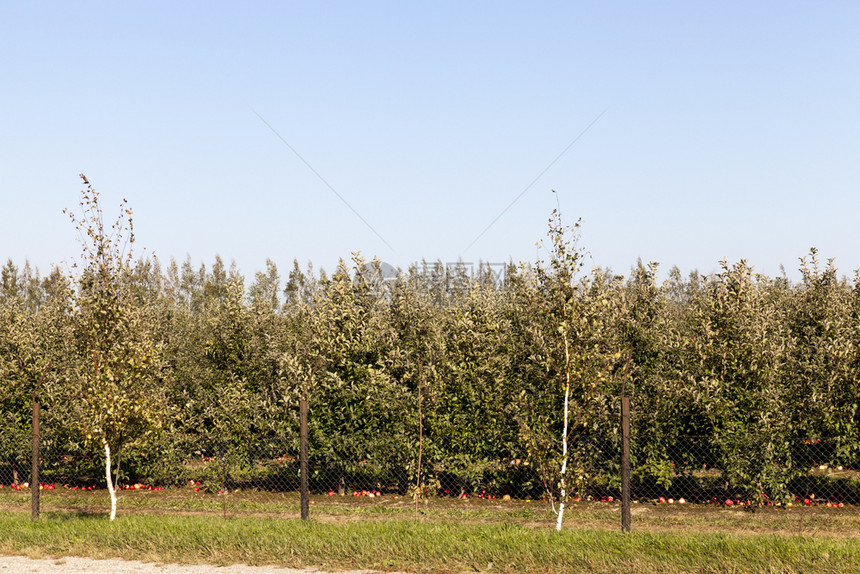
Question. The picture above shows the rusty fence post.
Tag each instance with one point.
(303, 457)
(625, 464)
(34, 474)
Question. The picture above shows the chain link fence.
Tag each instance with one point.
(262, 474)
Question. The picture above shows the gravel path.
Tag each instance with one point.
(75, 565)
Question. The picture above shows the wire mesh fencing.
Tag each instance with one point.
(751, 471)
(261, 474)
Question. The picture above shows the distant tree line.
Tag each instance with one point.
(472, 368)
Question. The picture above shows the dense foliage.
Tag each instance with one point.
(440, 374)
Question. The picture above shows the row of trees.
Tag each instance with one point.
(470, 372)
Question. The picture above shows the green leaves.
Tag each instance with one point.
(471, 371)
(111, 386)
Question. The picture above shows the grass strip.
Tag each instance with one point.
(418, 546)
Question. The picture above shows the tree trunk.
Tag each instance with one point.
(111, 489)
(563, 492)
(564, 434)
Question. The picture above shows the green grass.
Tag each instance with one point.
(416, 545)
(602, 516)
(434, 535)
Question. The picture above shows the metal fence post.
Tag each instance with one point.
(222, 462)
(303, 456)
(625, 464)
(34, 474)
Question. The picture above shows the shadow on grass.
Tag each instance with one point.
(73, 514)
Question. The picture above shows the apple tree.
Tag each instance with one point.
(462, 351)
(736, 357)
(823, 378)
(359, 410)
(33, 339)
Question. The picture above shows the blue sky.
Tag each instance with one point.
(731, 129)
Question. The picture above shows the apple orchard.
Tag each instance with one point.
(433, 379)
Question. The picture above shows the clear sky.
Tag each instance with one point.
(731, 129)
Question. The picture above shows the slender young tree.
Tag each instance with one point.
(116, 396)
(575, 340)
(561, 313)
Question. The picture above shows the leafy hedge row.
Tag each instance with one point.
(460, 373)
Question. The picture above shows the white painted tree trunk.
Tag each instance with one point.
(110, 486)
(562, 486)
